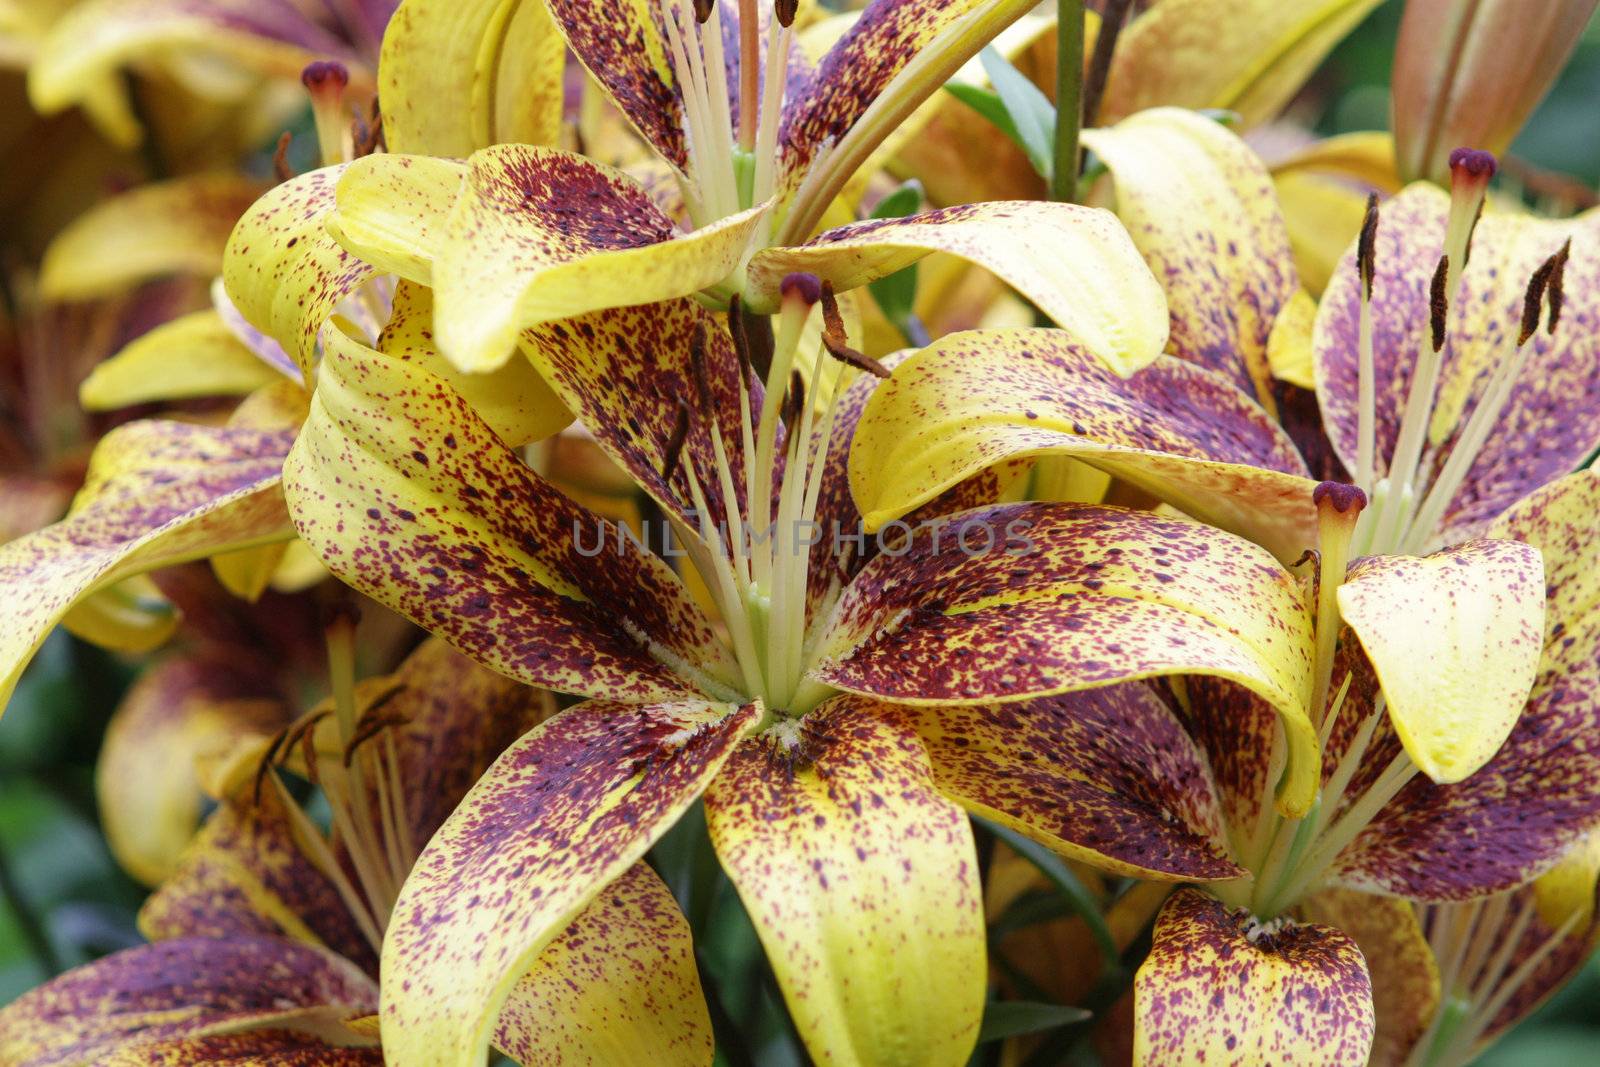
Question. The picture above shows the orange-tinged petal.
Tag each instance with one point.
(1187, 435)
(565, 811)
(619, 986)
(1051, 598)
(1199, 205)
(175, 989)
(1105, 776)
(411, 498)
(1551, 421)
(180, 709)
(196, 355)
(1220, 987)
(174, 227)
(862, 882)
(1456, 639)
(458, 76)
(156, 493)
(1075, 263)
(516, 254)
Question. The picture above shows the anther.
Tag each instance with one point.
(1553, 289)
(1533, 299)
(1367, 246)
(697, 368)
(785, 11)
(794, 401)
(680, 434)
(280, 158)
(703, 9)
(741, 340)
(1439, 301)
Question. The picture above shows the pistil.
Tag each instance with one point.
(325, 80)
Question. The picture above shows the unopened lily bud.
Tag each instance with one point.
(1472, 71)
(325, 80)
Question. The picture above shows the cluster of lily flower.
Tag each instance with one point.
(1291, 682)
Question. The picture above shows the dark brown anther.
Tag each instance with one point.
(785, 10)
(1554, 289)
(741, 340)
(280, 158)
(832, 320)
(367, 137)
(703, 9)
(1367, 246)
(1439, 302)
(1533, 299)
(680, 434)
(264, 768)
(697, 370)
(794, 401)
(371, 727)
(845, 354)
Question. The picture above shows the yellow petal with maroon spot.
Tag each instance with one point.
(516, 252)
(1456, 639)
(862, 882)
(252, 1048)
(1219, 987)
(459, 75)
(181, 709)
(1200, 206)
(390, 210)
(1249, 56)
(196, 355)
(1075, 263)
(1551, 422)
(282, 270)
(1025, 600)
(407, 495)
(1106, 776)
(156, 493)
(565, 811)
(1188, 436)
(1405, 976)
(177, 989)
(174, 227)
(514, 400)
(618, 986)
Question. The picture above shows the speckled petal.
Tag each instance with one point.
(283, 272)
(566, 810)
(252, 1048)
(391, 209)
(1075, 263)
(1185, 434)
(408, 496)
(1405, 976)
(1551, 422)
(519, 250)
(156, 493)
(1524, 808)
(1218, 988)
(173, 227)
(1249, 56)
(515, 400)
(1456, 639)
(862, 882)
(176, 989)
(196, 355)
(180, 710)
(1072, 597)
(1106, 776)
(459, 75)
(618, 987)
(1200, 206)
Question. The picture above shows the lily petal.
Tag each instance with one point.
(1187, 435)
(157, 493)
(1051, 598)
(1200, 206)
(1108, 777)
(196, 355)
(1551, 422)
(566, 810)
(173, 227)
(619, 986)
(146, 781)
(1220, 986)
(862, 882)
(516, 254)
(174, 989)
(391, 210)
(1456, 639)
(1249, 56)
(455, 77)
(1075, 263)
(408, 496)
(258, 1048)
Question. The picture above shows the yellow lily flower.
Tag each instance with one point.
(787, 713)
(759, 156)
(264, 940)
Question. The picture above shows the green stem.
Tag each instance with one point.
(1069, 90)
(28, 923)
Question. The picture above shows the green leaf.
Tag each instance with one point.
(1079, 899)
(1032, 115)
(1010, 1018)
(896, 294)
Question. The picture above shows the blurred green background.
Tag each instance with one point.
(64, 901)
